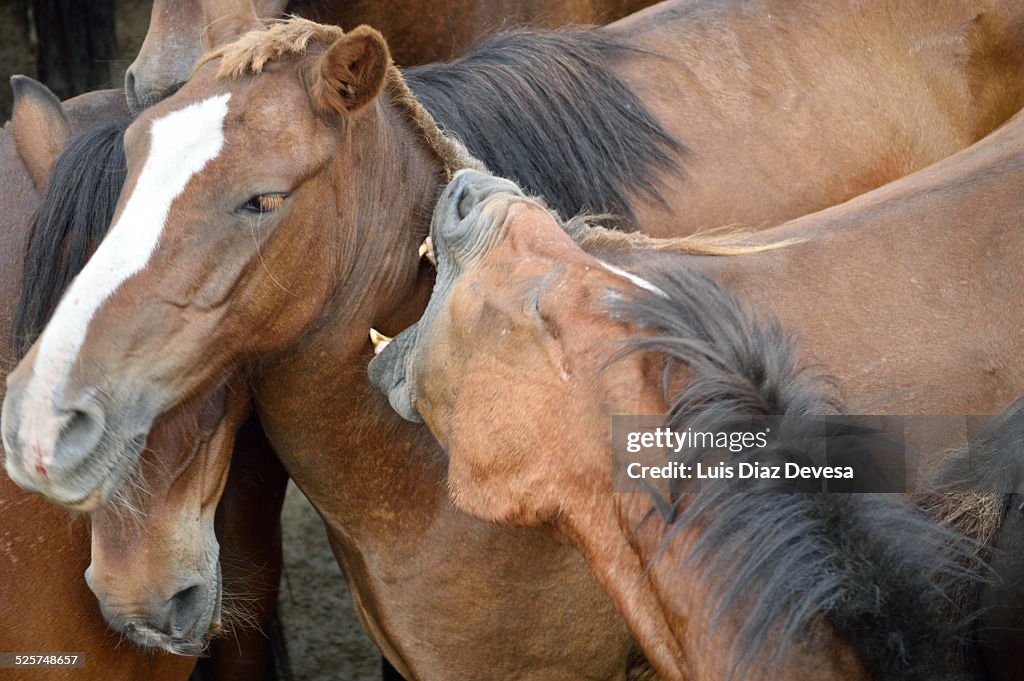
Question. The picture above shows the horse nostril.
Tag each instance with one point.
(468, 196)
(81, 433)
(185, 609)
(132, 97)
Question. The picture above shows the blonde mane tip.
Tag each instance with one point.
(720, 242)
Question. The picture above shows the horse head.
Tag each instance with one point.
(179, 32)
(217, 252)
(155, 555)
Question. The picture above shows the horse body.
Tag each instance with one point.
(423, 576)
(436, 30)
(907, 294)
(768, 132)
(880, 289)
(888, 87)
(417, 32)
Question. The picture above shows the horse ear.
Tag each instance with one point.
(39, 127)
(352, 72)
(227, 21)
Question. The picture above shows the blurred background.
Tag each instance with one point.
(72, 46)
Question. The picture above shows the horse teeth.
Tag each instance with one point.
(427, 251)
(379, 340)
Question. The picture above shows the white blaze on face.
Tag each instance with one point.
(180, 145)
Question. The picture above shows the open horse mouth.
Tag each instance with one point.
(467, 222)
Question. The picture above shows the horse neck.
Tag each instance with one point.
(381, 280)
(387, 201)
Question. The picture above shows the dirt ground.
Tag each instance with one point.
(325, 640)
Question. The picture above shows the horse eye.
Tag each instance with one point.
(263, 203)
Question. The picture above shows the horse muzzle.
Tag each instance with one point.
(85, 461)
(181, 625)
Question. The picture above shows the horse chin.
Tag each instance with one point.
(146, 638)
(191, 643)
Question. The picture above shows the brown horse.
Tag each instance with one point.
(36, 137)
(312, 180)
(517, 366)
(417, 32)
(888, 297)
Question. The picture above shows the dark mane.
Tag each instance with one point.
(84, 186)
(546, 110)
(978, 484)
(872, 565)
(991, 464)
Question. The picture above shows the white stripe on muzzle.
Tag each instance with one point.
(180, 145)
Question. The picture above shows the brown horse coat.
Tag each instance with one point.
(417, 32)
(350, 183)
(47, 605)
(905, 295)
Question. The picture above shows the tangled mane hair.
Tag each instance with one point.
(549, 110)
(977, 486)
(591, 233)
(873, 566)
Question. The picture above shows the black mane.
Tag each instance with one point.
(84, 186)
(873, 565)
(991, 464)
(546, 110)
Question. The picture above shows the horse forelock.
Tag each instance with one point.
(250, 53)
(294, 37)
